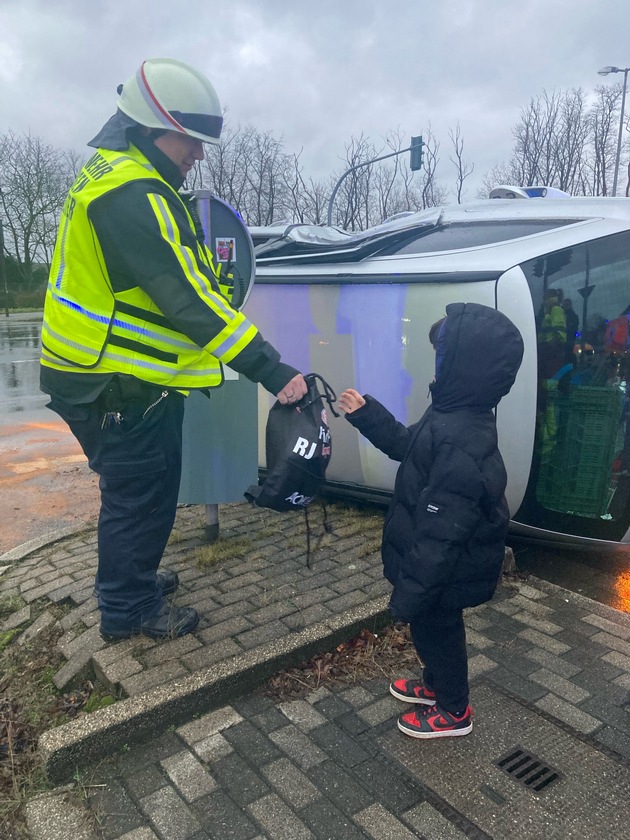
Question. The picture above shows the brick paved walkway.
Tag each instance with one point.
(550, 674)
(259, 592)
(550, 671)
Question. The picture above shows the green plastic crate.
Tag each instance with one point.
(575, 476)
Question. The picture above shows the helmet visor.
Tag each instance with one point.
(206, 124)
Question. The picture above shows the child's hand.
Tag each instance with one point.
(350, 400)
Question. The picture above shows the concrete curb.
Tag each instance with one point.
(135, 719)
(22, 551)
(580, 600)
(95, 736)
(58, 814)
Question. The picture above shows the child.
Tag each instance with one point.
(444, 534)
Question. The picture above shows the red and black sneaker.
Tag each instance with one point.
(412, 691)
(433, 722)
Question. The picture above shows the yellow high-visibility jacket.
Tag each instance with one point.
(94, 325)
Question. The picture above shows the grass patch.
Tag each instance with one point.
(346, 520)
(176, 536)
(5, 638)
(269, 530)
(349, 519)
(224, 547)
(353, 524)
(98, 701)
(11, 605)
(370, 546)
(28, 701)
(31, 704)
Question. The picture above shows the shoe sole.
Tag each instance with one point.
(446, 733)
(158, 638)
(108, 637)
(406, 699)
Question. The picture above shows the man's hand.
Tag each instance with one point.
(293, 391)
(350, 400)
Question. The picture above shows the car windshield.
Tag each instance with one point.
(461, 235)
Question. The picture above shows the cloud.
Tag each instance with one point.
(314, 74)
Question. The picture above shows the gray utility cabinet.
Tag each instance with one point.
(220, 435)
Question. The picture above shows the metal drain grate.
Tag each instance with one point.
(527, 769)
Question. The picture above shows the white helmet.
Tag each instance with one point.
(168, 94)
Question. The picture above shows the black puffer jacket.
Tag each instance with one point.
(444, 535)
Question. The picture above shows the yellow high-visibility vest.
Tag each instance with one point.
(92, 329)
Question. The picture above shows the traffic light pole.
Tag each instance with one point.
(367, 163)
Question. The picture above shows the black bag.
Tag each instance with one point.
(298, 448)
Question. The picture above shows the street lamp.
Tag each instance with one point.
(604, 72)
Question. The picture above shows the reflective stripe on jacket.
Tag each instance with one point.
(89, 327)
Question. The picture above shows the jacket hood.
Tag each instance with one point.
(483, 352)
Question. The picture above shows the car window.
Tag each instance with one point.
(460, 235)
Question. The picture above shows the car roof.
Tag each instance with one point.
(524, 229)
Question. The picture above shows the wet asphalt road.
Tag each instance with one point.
(45, 483)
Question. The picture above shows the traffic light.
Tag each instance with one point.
(416, 149)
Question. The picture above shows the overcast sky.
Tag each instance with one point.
(314, 73)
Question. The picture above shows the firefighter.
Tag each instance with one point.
(135, 317)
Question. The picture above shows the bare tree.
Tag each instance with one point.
(250, 170)
(352, 201)
(571, 141)
(502, 173)
(562, 142)
(34, 181)
(379, 190)
(389, 194)
(224, 169)
(267, 165)
(428, 193)
(603, 124)
(462, 168)
(72, 163)
(539, 135)
(307, 199)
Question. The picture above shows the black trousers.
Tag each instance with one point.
(440, 641)
(133, 441)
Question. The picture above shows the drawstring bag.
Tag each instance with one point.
(298, 448)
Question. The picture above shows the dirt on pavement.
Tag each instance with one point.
(45, 482)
